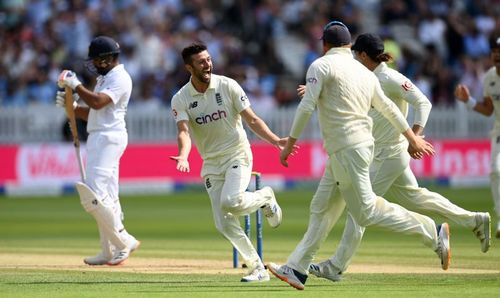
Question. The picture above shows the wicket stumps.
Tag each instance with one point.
(248, 225)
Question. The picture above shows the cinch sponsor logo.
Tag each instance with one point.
(204, 119)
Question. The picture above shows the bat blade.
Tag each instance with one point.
(68, 103)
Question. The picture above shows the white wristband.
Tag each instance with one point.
(471, 103)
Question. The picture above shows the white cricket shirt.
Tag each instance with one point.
(402, 92)
(344, 91)
(214, 116)
(491, 87)
(117, 84)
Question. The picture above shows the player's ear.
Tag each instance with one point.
(361, 56)
(189, 67)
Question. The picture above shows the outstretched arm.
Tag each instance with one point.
(485, 108)
(260, 128)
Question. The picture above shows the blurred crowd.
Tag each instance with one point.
(266, 45)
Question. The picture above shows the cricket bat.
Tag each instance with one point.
(68, 103)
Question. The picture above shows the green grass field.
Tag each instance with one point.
(43, 242)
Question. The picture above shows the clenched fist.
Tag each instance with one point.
(61, 99)
(68, 78)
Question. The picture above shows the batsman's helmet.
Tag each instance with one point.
(103, 46)
(495, 40)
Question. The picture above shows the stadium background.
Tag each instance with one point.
(266, 45)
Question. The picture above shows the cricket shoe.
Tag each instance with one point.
(444, 250)
(482, 229)
(134, 245)
(119, 257)
(100, 259)
(258, 274)
(272, 210)
(288, 275)
(326, 270)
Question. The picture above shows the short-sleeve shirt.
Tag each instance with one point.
(491, 88)
(214, 116)
(117, 84)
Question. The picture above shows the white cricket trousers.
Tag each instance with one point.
(326, 207)
(391, 175)
(104, 150)
(349, 170)
(495, 173)
(226, 182)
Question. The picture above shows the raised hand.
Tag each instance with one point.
(68, 78)
(462, 93)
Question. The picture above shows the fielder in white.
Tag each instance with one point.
(489, 106)
(210, 107)
(344, 91)
(390, 171)
(105, 111)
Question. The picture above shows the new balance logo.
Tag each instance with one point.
(193, 105)
(207, 183)
(204, 119)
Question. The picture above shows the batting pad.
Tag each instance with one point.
(102, 211)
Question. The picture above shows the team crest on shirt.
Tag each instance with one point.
(218, 99)
(407, 85)
(492, 84)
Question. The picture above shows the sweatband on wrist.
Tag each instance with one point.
(471, 103)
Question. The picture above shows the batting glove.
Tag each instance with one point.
(68, 78)
(61, 99)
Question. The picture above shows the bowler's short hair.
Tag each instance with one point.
(191, 50)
